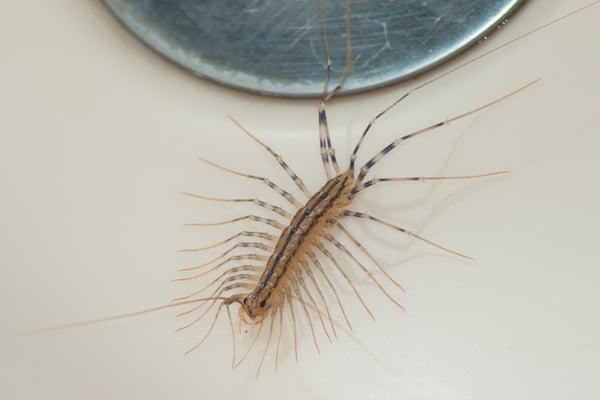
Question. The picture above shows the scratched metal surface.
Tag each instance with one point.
(277, 47)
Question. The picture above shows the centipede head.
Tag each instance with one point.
(255, 307)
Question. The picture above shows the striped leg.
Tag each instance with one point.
(276, 209)
(262, 235)
(345, 250)
(361, 215)
(327, 150)
(369, 164)
(255, 245)
(337, 265)
(364, 185)
(255, 218)
(319, 267)
(286, 195)
(277, 157)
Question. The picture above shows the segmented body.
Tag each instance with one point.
(291, 248)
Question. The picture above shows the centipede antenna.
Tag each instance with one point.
(197, 319)
(215, 293)
(218, 292)
(119, 316)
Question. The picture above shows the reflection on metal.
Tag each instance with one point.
(276, 47)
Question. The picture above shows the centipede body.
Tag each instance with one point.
(308, 232)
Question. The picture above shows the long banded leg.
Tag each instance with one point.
(368, 128)
(405, 95)
(280, 312)
(400, 229)
(254, 245)
(290, 303)
(286, 195)
(264, 353)
(369, 164)
(258, 202)
(375, 181)
(244, 257)
(234, 270)
(221, 289)
(278, 158)
(364, 250)
(300, 300)
(262, 235)
(327, 150)
(312, 279)
(328, 254)
(255, 218)
(303, 287)
(318, 265)
(345, 250)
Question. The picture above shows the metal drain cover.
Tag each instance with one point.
(276, 47)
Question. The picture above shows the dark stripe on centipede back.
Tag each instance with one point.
(289, 245)
(322, 117)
